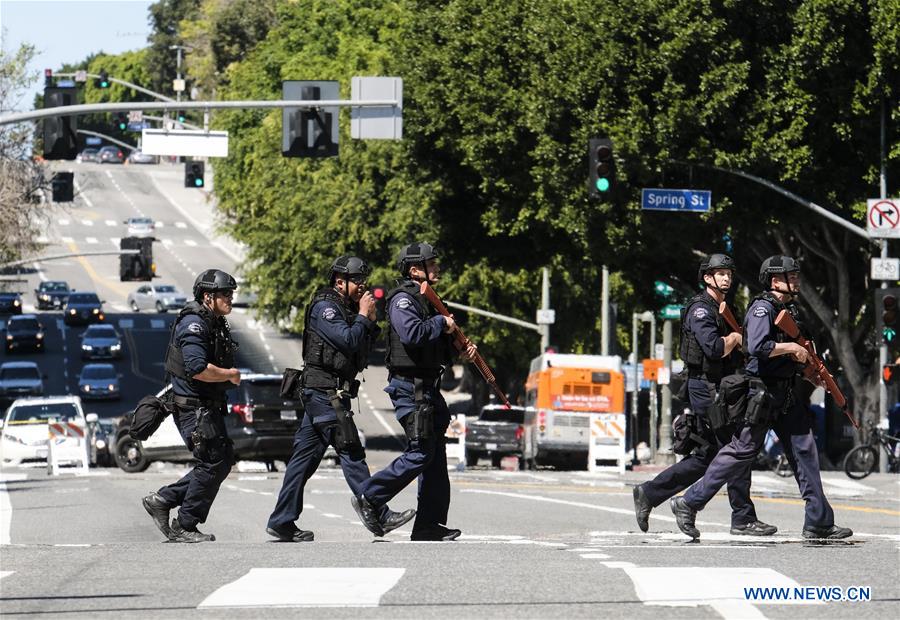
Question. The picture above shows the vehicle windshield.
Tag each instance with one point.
(84, 298)
(54, 286)
(24, 414)
(100, 331)
(515, 416)
(23, 325)
(140, 221)
(12, 374)
(165, 288)
(98, 372)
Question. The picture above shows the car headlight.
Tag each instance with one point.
(115, 347)
(112, 387)
(45, 297)
(17, 303)
(87, 347)
(72, 311)
(9, 336)
(100, 444)
(96, 310)
(85, 388)
(40, 335)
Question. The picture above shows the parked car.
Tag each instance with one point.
(51, 294)
(83, 308)
(18, 379)
(88, 155)
(140, 227)
(159, 297)
(259, 422)
(497, 432)
(139, 157)
(24, 427)
(24, 332)
(99, 381)
(111, 155)
(101, 341)
(10, 303)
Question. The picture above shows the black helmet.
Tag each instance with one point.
(713, 262)
(350, 266)
(415, 253)
(774, 265)
(211, 281)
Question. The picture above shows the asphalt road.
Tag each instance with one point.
(535, 545)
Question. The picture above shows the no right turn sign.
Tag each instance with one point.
(883, 218)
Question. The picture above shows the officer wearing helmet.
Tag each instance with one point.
(775, 400)
(708, 348)
(200, 363)
(418, 350)
(339, 327)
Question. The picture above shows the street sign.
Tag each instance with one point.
(671, 312)
(135, 116)
(692, 200)
(178, 86)
(185, 142)
(81, 76)
(886, 268)
(883, 218)
(546, 317)
(93, 141)
(662, 289)
(376, 123)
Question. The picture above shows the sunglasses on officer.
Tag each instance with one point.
(359, 280)
(227, 294)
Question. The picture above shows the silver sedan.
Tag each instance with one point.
(159, 297)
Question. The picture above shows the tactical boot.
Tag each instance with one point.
(435, 533)
(184, 535)
(392, 520)
(684, 517)
(289, 534)
(158, 509)
(832, 532)
(757, 528)
(367, 514)
(642, 508)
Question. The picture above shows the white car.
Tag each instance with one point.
(140, 227)
(159, 297)
(23, 433)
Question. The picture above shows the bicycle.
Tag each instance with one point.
(863, 460)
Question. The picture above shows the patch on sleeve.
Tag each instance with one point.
(700, 313)
(403, 303)
(760, 311)
(195, 328)
(329, 313)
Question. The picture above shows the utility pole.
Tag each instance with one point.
(883, 349)
(604, 313)
(665, 428)
(545, 305)
(179, 85)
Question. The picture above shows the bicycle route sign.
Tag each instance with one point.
(883, 218)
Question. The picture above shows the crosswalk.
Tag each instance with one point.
(63, 221)
(91, 240)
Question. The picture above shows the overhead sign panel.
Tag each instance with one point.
(184, 142)
(693, 200)
(883, 218)
(381, 123)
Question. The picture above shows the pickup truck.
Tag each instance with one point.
(496, 433)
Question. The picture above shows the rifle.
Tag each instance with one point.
(462, 342)
(814, 370)
(728, 315)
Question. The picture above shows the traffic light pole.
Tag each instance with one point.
(140, 89)
(44, 259)
(88, 132)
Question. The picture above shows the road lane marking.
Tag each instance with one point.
(595, 556)
(306, 587)
(87, 222)
(800, 502)
(63, 222)
(6, 508)
(111, 223)
(180, 225)
(190, 242)
(115, 241)
(114, 287)
(6, 573)
(159, 224)
(68, 240)
(40, 272)
(92, 240)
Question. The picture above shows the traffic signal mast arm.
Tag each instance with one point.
(462, 342)
(728, 315)
(814, 370)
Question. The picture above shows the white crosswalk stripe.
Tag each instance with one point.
(63, 222)
(67, 240)
(115, 241)
(190, 242)
(111, 223)
(180, 225)
(160, 224)
(92, 240)
(87, 222)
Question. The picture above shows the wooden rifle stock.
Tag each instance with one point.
(814, 371)
(728, 315)
(462, 342)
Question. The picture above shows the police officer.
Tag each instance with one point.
(708, 350)
(773, 365)
(418, 350)
(339, 329)
(200, 362)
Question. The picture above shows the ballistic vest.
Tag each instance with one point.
(324, 365)
(781, 367)
(218, 342)
(695, 359)
(426, 361)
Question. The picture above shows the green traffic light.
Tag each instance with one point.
(888, 334)
(602, 184)
(198, 182)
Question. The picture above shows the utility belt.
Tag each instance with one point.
(196, 403)
(315, 378)
(430, 379)
(747, 399)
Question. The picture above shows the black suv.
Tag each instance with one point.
(260, 422)
(83, 308)
(51, 294)
(24, 332)
(10, 303)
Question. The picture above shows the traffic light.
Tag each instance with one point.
(59, 131)
(309, 132)
(181, 116)
(380, 295)
(887, 314)
(890, 373)
(193, 173)
(103, 80)
(63, 185)
(602, 171)
(121, 121)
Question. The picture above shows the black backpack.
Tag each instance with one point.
(148, 415)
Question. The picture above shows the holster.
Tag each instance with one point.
(761, 405)
(687, 431)
(716, 413)
(205, 431)
(346, 437)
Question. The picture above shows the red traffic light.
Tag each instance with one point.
(889, 373)
(378, 292)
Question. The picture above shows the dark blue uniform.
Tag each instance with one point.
(423, 459)
(793, 424)
(197, 489)
(701, 324)
(317, 431)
